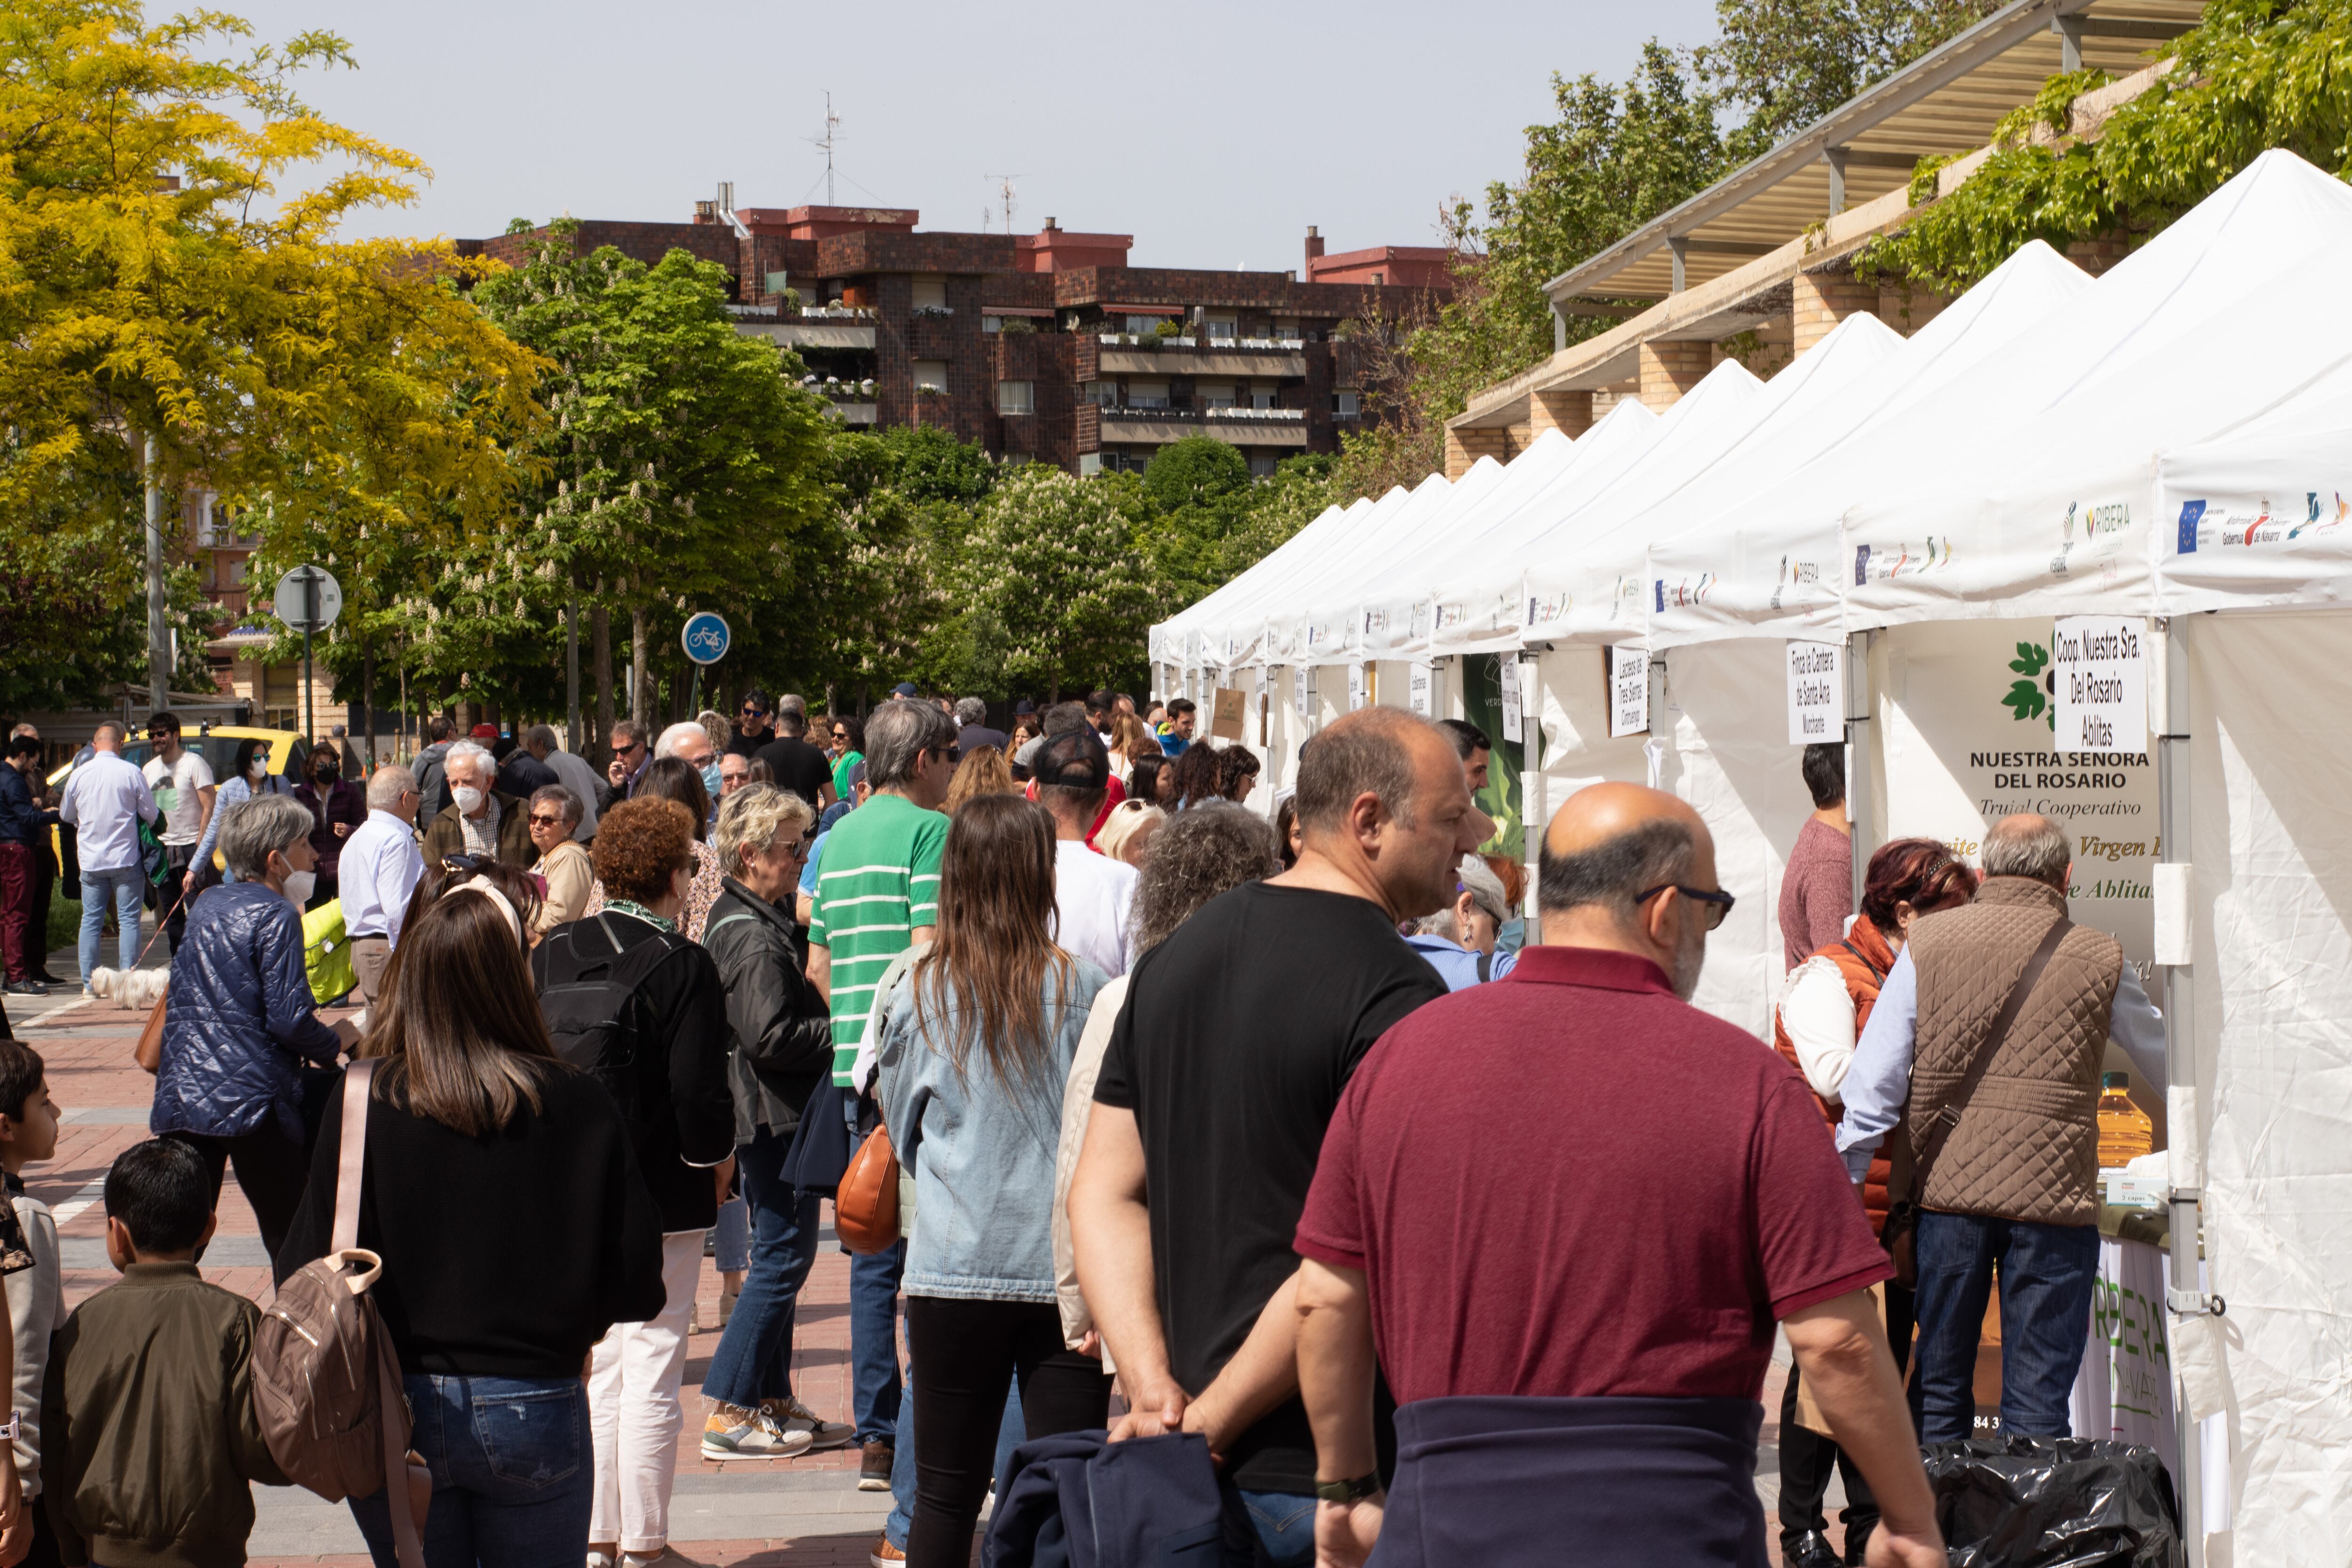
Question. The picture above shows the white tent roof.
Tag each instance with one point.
(1594, 591)
(2261, 514)
(1175, 640)
(2048, 506)
(1234, 633)
(1764, 563)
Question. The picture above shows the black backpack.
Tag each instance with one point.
(596, 1013)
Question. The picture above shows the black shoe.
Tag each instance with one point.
(46, 978)
(27, 988)
(1810, 1549)
(874, 1466)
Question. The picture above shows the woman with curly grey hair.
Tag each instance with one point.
(1197, 854)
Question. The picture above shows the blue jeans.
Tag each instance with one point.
(127, 885)
(2046, 1273)
(874, 1342)
(730, 1241)
(754, 1359)
(1284, 1524)
(511, 1473)
(1009, 1437)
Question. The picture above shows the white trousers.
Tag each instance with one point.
(634, 1418)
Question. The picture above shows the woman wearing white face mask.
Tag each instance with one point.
(248, 778)
(240, 1023)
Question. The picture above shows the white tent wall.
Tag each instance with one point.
(2271, 770)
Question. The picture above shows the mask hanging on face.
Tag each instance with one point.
(468, 799)
(300, 885)
(711, 780)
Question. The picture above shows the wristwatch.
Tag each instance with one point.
(1356, 1491)
(15, 1427)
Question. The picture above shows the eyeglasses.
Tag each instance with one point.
(539, 821)
(633, 746)
(1718, 904)
(752, 712)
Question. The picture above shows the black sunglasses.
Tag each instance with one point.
(464, 862)
(755, 712)
(1718, 904)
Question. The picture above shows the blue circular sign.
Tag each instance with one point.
(705, 637)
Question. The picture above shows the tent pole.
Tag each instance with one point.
(1535, 812)
(2183, 1137)
(1858, 772)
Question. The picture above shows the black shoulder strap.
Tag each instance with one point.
(1486, 967)
(1876, 972)
(1947, 1116)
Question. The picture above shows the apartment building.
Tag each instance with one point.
(1048, 346)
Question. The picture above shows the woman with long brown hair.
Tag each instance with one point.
(503, 1198)
(976, 1046)
(983, 771)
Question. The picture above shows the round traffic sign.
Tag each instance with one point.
(705, 637)
(309, 598)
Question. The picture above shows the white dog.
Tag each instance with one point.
(137, 989)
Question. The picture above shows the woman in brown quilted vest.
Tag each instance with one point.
(1821, 1016)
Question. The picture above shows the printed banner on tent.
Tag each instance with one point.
(1816, 693)
(1509, 675)
(2101, 692)
(1358, 694)
(1969, 741)
(1422, 689)
(1302, 694)
(1629, 689)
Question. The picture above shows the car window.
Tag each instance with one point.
(294, 761)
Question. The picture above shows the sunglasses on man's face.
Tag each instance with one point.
(752, 712)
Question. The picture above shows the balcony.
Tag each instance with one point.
(814, 329)
(1236, 426)
(1124, 353)
(855, 413)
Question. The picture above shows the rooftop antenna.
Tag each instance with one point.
(832, 135)
(1005, 190)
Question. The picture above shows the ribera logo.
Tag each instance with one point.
(1796, 580)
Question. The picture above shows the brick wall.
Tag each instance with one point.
(1570, 413)
(1671, 368)
(1821, 299)
(646, 242)
(1466, 445)
(895, 250)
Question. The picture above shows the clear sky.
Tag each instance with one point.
(1212, 131)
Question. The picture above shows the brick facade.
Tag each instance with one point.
(1821, 299)
(1570, 413)
(1671, 368)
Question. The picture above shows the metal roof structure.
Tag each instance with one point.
(1946, 103)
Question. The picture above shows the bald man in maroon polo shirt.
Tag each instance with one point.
(1567, 1209)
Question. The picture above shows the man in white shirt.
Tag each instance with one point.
(181, 782)
(379, 871)
(106, 799)
(572, 771)
(1093, 894)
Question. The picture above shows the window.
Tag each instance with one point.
(1142, 326)
(1089, 464)
(1219, 325)
(991, 324)
(1262, 397)
(931, 376)
(1214, 394)
(1346, 406)
(930, 292)
(1147, 394)
(1016, 397)
(1101, 394)
(1262, 465)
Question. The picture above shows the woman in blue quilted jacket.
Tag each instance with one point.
(240, 1022)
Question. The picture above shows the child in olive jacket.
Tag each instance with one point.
(149, 1441)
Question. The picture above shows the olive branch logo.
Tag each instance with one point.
(2027, 699)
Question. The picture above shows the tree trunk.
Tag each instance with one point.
(367, 703)
(600, 638)
(640, 678)
(572, 669)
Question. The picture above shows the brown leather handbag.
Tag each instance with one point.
(149, 1053)
(866, 1203)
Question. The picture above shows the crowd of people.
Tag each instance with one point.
(1440, 1227)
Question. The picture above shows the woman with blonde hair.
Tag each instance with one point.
(975, 1047)
(1127, 833)
(1130, 738)
(983, 771)
(492, 1305)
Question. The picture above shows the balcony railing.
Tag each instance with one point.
(1146, 342)
(1204, 415)
(934, 310)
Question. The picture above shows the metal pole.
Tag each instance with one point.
(1858, 808)
(571, 675)
(1534, 816)
(2183, 1136)
(159, 654)
(310, 620)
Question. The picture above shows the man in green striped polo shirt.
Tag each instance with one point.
(877, 886)
(878, 894)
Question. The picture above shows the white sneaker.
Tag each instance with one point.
(791, 1415)
(599, 1558)
(731, 1432)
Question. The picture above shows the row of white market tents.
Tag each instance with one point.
(2170, 443)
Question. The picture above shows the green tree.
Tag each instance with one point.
(1052, 561)
(1780, 64)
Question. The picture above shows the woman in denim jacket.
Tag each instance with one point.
(973, 1053)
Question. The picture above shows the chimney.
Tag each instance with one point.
(705, 212)
(1314, 248)
(1051, 226)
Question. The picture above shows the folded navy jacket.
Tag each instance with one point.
(1078, 1501)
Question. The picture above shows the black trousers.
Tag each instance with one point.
(963, 1352)
(171, 899)
(271, 1172)
(1807, 1457)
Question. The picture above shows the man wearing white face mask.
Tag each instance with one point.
(240, 1023)
(480, 820)
(690, 744)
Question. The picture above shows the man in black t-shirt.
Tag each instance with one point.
(750, 730)
(1239, 1034)
(797, 765)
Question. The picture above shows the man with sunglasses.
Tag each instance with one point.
(1508, 1149)
(631, 750)
(751, 725)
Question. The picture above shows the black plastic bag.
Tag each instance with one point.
(2054, 1502)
